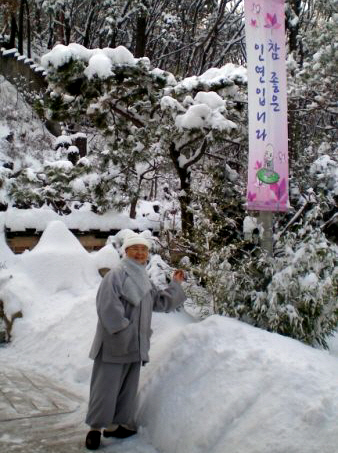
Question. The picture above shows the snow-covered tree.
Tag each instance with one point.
(149, 119)
(312, 81)
(185, 37)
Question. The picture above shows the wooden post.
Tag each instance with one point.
(265, 219)
(81, 143)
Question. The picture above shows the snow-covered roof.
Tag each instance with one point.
(18, 220)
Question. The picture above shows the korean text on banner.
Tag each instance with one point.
(268, 134)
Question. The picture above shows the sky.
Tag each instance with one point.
(215, 385)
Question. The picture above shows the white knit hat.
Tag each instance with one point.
(134, 239)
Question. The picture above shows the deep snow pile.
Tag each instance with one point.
(216, 386)
(223, 386)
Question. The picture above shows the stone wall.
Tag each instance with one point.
(19, 241)
(28, 78)
(23, 73)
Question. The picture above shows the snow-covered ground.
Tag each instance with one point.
(216, 386)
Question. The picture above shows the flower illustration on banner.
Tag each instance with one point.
(258, 165)
(271, 21)
(280, 191)
(251, 196)
(254, 23)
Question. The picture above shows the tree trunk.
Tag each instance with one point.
(20, 28)
(295, 45)
(28, 25)
(187, 217)
(133, 204)
(51, 32)
(68, 32)
(266, 221)
(23, 6)
(134, 200)
(61, 27)
(89, 22)
(140, 37)
(112, 42)
(14, 29)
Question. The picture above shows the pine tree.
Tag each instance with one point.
(149, 119)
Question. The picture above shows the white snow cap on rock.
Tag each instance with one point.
(106, 257)
(59, 262)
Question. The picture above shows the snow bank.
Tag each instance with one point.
(223, 386)
(45, 282)
(216, 386)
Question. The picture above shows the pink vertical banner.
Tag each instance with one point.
(268, 133)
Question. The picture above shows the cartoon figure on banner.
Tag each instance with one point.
(267, 175)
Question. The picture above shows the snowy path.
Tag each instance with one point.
(37, 415)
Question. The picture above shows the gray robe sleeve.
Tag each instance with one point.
(110, 309)
(168, 299)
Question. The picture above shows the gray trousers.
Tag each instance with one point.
(113, 390)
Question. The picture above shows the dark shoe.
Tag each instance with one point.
(120, 432)
(93, 440)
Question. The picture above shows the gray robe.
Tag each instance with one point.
(123, 328)
(122, 343)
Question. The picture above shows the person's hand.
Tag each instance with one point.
(178, 275)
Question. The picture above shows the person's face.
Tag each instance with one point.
(138, 252)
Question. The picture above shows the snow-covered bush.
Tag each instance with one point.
(312, 98)
(293, 293)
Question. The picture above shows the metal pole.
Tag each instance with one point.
(265, 219)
